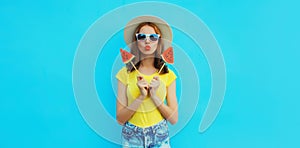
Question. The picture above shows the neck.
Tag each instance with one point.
(147, 62)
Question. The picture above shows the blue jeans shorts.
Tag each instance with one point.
(156, 136)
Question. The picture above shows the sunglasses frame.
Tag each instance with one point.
(147, 36)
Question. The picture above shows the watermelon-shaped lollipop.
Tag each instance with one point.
(127, 57)
(168, 57)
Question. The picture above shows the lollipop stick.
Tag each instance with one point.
(138, 72)
(161, 68)
(135, 67)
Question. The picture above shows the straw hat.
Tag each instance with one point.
(166, 32)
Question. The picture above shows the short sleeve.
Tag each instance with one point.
(171, 77)
(122, 75)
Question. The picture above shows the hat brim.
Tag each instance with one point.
(166, 32)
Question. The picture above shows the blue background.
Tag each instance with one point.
(258, 39)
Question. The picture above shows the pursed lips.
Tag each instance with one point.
(147, 47)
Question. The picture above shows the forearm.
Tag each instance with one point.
(127, 112)
(167, 112)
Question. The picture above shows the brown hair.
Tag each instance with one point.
(158, 61)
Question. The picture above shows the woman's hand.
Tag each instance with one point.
(154, 84)
(143, 86)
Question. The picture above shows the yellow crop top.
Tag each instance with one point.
(147, 114)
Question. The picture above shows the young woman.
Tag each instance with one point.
(146, 98)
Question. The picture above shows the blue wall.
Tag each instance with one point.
(258, 39)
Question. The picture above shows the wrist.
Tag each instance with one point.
(152, 93)
(156, 100)
(142, 97)
(153, 96)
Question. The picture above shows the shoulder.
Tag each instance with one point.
(169, 77)
(123, 70)
(171, 72)
(122, 75)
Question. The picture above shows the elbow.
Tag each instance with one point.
(173, 121)
(120, 121)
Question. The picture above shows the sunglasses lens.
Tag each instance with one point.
(153, 37)
(141, 36)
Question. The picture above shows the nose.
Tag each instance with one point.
(147, 39)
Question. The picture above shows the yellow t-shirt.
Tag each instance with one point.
(147, 114)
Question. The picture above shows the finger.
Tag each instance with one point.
(145, 86)
(156, 77)
(144, 83)
(153, 81)
(154, 85)
(139, 78)
(151, 85)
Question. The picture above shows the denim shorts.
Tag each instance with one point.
(156, 136)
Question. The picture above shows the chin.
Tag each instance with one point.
(148, 53)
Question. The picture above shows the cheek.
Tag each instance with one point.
(140, 44)
(155, 46)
